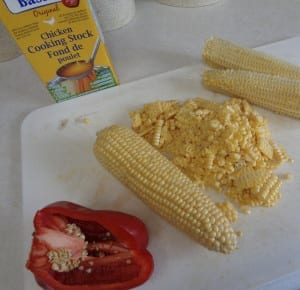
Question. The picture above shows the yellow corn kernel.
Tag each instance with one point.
(280, 154)
(255, 187)
(229, 211)
(248, 177)
(245, 209)
(136, 119)
(287, 176)
(265, 147)
(239, 233)
(163, 187)
(157, 133)
(221, 53)
(275, 93)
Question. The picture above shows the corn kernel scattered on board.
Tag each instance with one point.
(225, 146)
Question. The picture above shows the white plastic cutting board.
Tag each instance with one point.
(58, 164)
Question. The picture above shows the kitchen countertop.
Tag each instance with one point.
(160, 38)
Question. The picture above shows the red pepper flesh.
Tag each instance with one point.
(77, 248)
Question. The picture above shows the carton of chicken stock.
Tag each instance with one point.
(63, 42)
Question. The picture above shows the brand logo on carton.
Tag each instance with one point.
(24, 3)
(18, 6)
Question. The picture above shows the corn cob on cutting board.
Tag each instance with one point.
(58, 164)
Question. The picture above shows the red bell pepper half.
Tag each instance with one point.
(77, 248)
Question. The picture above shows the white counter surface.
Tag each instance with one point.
(159, 39)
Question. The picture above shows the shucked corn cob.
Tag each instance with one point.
(276, 93)
(220, 53)
(163, 187)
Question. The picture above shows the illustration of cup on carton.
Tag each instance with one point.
(64, 44)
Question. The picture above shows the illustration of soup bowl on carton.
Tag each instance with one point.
(79, 77)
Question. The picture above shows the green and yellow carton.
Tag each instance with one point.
(63, 42)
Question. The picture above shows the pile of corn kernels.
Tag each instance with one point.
(224, 146)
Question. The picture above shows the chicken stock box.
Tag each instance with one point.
(63, 42)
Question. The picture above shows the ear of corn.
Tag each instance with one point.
(220, 53)
(275, 93)
(163, 187)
